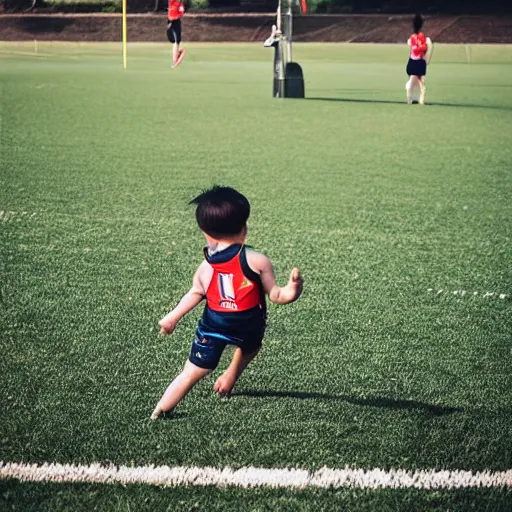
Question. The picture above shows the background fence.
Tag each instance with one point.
(316, 6)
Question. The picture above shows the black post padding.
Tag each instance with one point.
(294, 81)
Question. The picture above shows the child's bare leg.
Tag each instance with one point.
(408, 89)
(175, 52)
(228, 379)
(411, 86)
(422, 90)
(226, 382)
(179, 387)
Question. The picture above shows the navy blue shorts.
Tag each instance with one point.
(416, 67)
(207, 347)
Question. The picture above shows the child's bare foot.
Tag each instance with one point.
(225, 384)
(159, 413)
(179, 58)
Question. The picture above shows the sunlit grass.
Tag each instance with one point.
(382, 206)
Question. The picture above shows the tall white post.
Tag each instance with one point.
(278, 21)
(289, 31)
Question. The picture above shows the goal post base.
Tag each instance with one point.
(288, 78)
(293, 81)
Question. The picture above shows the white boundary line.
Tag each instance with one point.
(463, 293)
(256, 477)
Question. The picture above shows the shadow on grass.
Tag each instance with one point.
(428, 104)
(377, 401)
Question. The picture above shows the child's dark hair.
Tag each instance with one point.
(417, 23)
(221, 211)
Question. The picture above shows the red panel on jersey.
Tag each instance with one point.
(418, 44)
(176, 10)
(230, 290)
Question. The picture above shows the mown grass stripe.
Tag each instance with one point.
(256, 477)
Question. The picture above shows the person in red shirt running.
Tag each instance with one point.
(235, 280)
(174, 14)
(417, 64)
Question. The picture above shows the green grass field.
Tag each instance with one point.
(398, 355)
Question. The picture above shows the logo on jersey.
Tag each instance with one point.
(245, 283)
(227, 291)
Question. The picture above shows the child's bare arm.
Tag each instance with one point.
(277, 294)
(188, 302)
(289, 293)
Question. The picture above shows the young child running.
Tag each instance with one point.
(235, 280)
(417, 65)
(174, 14)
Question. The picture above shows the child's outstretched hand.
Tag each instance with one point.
(295, 284)
(167, 325)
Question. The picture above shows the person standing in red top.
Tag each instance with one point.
(235, 280)
(175, 12)
(417, 64)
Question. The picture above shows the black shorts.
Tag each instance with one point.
(174, 31)
(416, 67)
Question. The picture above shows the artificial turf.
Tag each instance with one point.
(396, 356)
